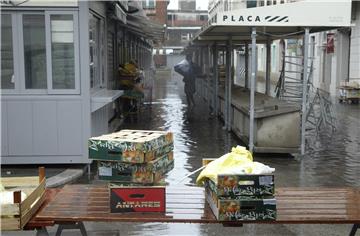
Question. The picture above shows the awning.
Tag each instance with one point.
(146, 27)
(134, 18)
(277, 21)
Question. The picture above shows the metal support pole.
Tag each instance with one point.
(354, 229)
(208, 79)
(252, 88)
(268, 69)
(216, 78)
(304, 92)
(230, 81)
(227, 78)
(246, 65)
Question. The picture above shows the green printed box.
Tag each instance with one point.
(132, 146)
(145, 173)
(243, 185)
(241, 208)
(132, 156)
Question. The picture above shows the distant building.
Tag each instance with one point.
(156, 10)
(187, 5)
(182, 26)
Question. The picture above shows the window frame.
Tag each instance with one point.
(18, 53)
(23, 89)
(51, 90)
(100, 57)
(15, 49)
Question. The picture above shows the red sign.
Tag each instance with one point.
(137, 199)
(330, 44)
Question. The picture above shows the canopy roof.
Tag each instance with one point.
(277, 21)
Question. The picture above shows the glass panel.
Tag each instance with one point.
(62, 51)
(94, 32)
(250, 4)
(7, 58)
(34, 51)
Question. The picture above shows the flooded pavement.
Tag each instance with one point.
(330, 159)
(330, 162)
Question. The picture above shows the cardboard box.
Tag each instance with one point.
(243, 185)
(241, 208)
(146, 173)
(129, 145)
(132, 156)
(136, 199)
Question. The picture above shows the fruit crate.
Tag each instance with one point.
(133, 146)
(243, 185)
(241, 208)
(146, 173)
(15, 215)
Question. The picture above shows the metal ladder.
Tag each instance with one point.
(320, 115)
(290, 83)
(319, 111)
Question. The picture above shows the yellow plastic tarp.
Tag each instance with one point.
(238, 158)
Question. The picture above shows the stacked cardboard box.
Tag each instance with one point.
(130, 159)
(242, 197)
(133, 156)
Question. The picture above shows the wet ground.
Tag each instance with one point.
(329, 161)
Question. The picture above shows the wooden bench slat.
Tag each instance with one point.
(294, 205)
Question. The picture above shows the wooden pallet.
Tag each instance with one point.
(16, 215)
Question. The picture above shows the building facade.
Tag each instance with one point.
(341, 63)
(156, 10)
(59, 77)
(354, 67)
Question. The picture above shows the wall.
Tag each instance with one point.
(38, 130)
(174, 37)
(49, 128)
(331, 68)
(160, 14)
(187, 5)
(354, 72)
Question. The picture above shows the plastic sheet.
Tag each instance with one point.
(238, 161)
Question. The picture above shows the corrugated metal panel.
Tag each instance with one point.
(110, 60)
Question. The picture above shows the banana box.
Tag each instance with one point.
(241, 208)
(145, 173)
(243, 185)
(132, 146)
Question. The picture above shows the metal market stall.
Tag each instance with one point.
(228, 29)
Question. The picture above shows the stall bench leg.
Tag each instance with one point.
(354, 229)
(71, 225)
(42, 231)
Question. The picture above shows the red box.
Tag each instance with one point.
(137, 199)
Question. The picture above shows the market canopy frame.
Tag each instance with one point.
(263, 24)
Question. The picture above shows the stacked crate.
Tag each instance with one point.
(242, 197)
(134, 162)
(133, 157)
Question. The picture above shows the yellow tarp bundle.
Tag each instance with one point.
(238, 161)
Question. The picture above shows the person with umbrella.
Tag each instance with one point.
(188, 70)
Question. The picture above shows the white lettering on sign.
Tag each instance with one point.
(241, 18)
(105, 171)
(255, 18)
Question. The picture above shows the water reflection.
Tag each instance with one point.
(331, 161)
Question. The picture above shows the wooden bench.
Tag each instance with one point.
(74, 204)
